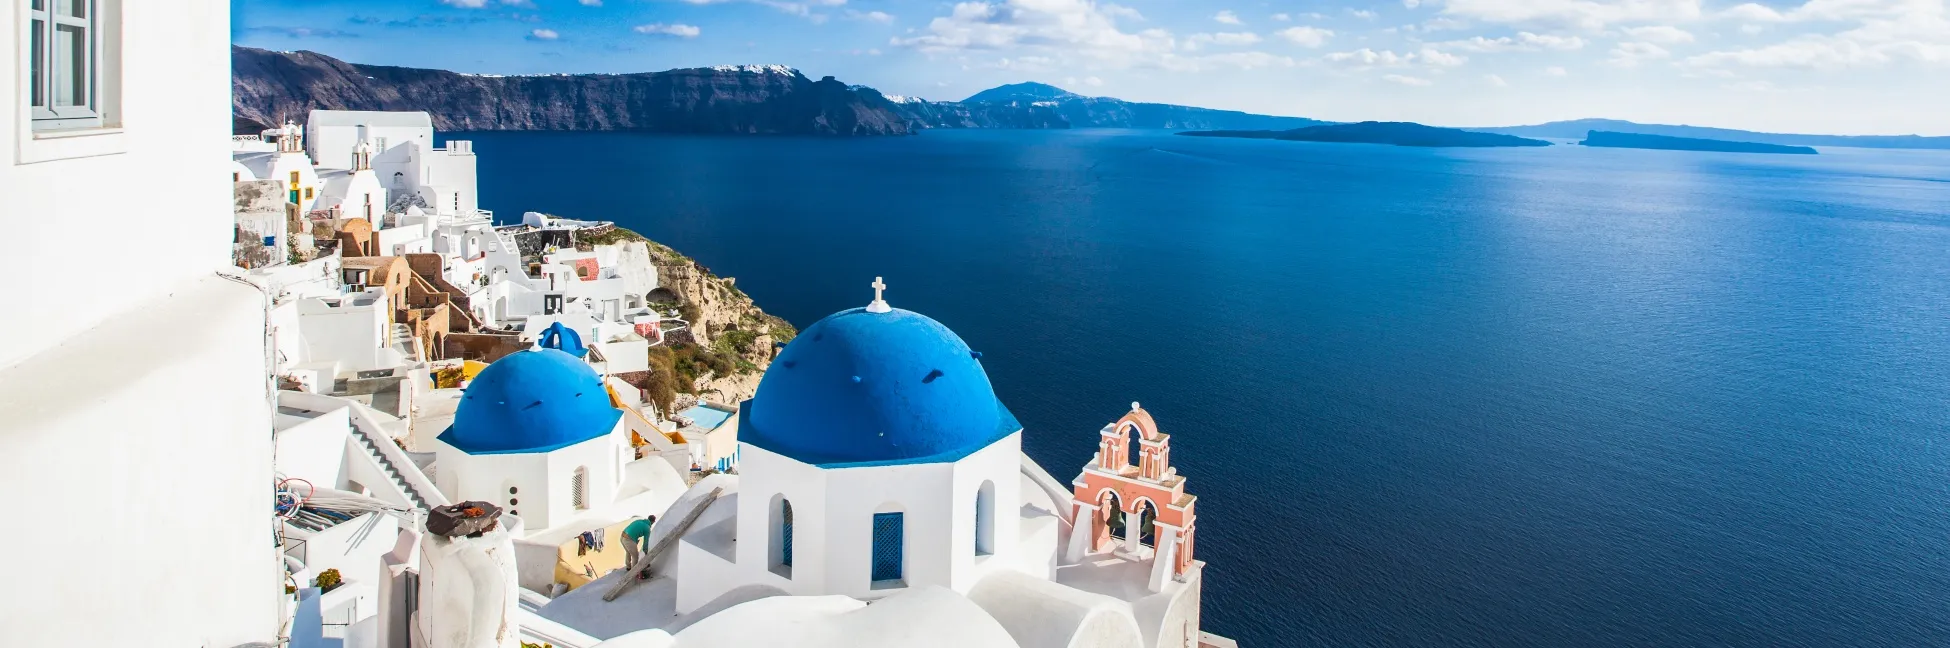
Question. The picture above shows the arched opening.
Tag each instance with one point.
(1113, 512)
(889, 550)
(399, 180)
(1147, 523)
(579, 489)
(781, 514)
(1132, 444)
(985, 519)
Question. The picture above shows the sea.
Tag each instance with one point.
(1557, 397)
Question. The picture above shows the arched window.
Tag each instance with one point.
(1135, 446)
(889, 559)
(985, 519)
(579, 488)
(1147, 523)
(399, 180)
(782, 535)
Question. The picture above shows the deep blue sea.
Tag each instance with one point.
(1558, 397)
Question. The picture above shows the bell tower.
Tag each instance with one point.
(1135, 509)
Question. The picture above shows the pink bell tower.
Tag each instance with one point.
(1131, 502)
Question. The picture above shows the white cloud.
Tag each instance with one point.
(1223, 39)
(1365, 57)
(1228, 17)
(1411, 3)
(1886, 32)
(800, 8)
(881, 17)
(1556, 71)
(1663, 34)
(1444, 23)
(1407, 80)
(1282, 17)
(1305, 36)
(678, 30)
(1093, 81)
(543, 35)
(592, 3)
(1439, 58)
(1522, 42)
(1361, 13)
(1630, 54)
(1074, 33)
(1751, 29)
(1585, 14)
(1495, 81)
(465, 4)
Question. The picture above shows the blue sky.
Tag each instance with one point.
(1830, 66)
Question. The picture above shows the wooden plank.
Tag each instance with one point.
(643, 562)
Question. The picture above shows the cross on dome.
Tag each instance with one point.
(879, 304)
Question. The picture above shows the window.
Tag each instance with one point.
(579, 489)
(985, 519)
(307, 193)
(888, 533)
(63, 64)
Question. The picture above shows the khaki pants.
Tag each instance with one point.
(630, 552)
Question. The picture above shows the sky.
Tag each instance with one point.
(1819, 66)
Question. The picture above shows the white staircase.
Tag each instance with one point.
(385, 469)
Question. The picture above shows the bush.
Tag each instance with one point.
(328, 580)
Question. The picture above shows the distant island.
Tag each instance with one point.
(268, 88)
(1665, 143)
(1372, 132)
(1577, 128)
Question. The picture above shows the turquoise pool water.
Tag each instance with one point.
(708, 418)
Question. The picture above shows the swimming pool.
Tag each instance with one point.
(706, 417)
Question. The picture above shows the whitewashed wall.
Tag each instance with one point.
(128, 389)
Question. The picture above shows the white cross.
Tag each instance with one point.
(879, 304)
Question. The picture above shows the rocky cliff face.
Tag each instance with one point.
(271, 87)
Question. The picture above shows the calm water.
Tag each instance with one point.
(1560, 397)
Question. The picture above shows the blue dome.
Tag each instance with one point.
(531, 401)
(864, 388)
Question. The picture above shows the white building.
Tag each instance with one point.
(136, 392)
(403, 155)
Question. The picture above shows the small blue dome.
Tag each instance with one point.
(563, 338)
(865, 388)
(531, 401)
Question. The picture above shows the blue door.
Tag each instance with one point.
(888, 532)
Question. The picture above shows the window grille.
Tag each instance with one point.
(579, 489)
(785, 533)
(888, 532)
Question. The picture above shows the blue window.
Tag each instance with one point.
(888, 532)
(270, 241)
(785, 533)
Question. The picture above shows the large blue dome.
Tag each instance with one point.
(866, 388)
(531, 401)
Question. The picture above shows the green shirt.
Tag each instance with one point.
(637, 531)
